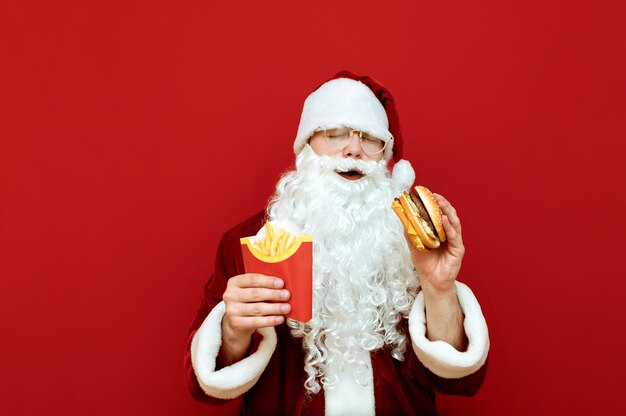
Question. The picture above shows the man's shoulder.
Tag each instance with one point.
(247, 227)
(228, 258)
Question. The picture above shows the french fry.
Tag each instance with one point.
(269, 231)
(257, 245)
(274, 242)
(263, 244)
(290, 240)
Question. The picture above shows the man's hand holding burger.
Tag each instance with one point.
(433, 232)
(439, 267)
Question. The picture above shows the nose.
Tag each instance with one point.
(353, 149)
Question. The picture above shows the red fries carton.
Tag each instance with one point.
(274, 251)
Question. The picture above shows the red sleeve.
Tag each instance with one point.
(464, 386)
(228, 263)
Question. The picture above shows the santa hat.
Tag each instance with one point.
(359, 102)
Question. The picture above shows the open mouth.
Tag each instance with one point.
(351, 175)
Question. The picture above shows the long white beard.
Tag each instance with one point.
(363, 279)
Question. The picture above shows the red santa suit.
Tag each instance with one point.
(270, 380)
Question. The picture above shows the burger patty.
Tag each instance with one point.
(421, 209)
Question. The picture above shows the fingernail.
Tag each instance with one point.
(279, 320)
(278, 283)
(286, 308)
(284, 294)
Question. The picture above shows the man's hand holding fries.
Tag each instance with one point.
(254, 300)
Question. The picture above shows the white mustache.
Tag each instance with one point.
(366, 167)
(348, 164)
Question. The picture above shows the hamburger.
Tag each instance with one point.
(420, 215)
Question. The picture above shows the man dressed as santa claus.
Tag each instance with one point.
(391, 325)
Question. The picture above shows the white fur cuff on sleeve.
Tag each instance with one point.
(236, 379)
(442, 358)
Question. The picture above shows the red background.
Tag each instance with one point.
(133, 134)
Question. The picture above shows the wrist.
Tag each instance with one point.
(439, 289)
(235, 344)
(235, 339)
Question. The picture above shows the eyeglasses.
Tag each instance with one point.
(340, 137)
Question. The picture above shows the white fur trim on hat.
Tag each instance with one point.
(403, 174)
(442, 358)
(346, 102)
(236, 379)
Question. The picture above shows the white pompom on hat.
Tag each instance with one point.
(403, 174)
(358, 102)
